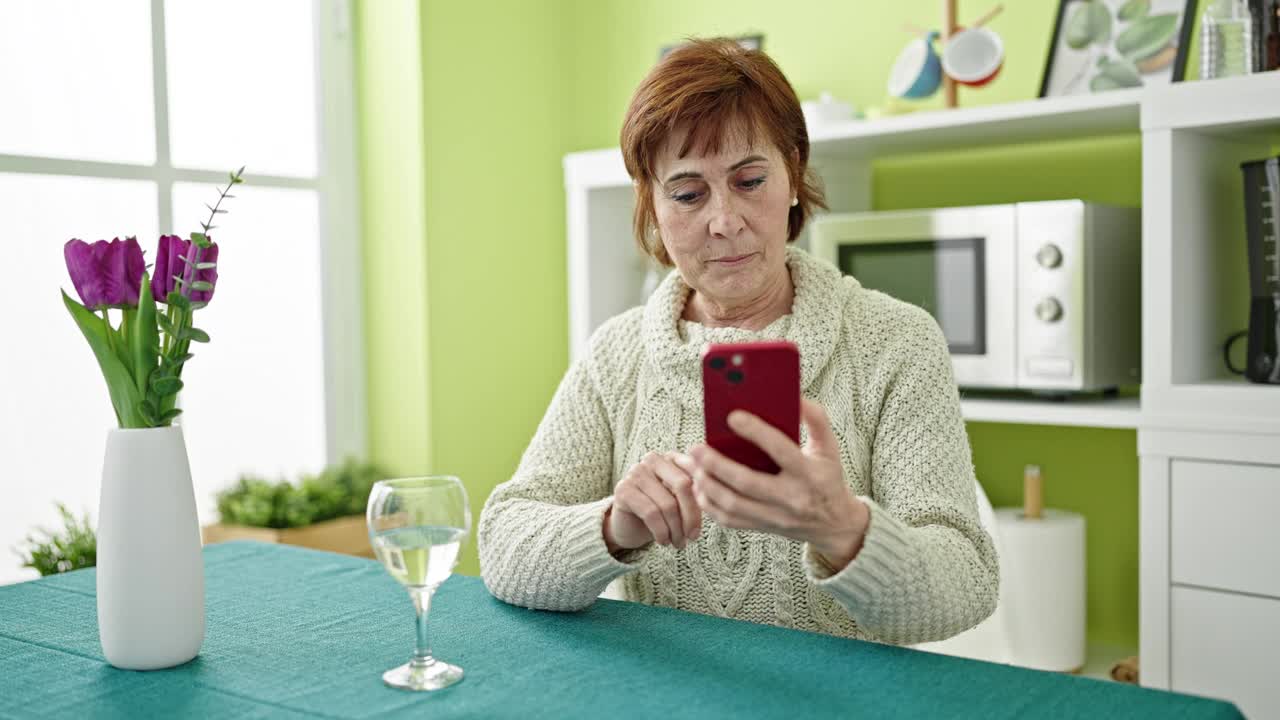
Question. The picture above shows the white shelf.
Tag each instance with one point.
(1222, 106)
(595, 169)
(1044, 119)
(1225, 404)
(1059, 118)
(1123, 412)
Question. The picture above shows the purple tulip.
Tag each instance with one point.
(169, 263)
(105, 274)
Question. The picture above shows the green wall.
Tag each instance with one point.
(507, 88)
(388, 58)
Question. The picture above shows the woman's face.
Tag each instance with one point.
(723, 217)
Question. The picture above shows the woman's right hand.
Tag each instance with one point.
(653, 502)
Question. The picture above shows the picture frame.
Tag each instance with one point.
(1100, 45)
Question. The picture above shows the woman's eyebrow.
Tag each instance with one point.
(691, 174)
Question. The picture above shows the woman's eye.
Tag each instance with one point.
(752, 184)
(685, 198)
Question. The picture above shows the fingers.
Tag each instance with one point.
(664, 483)
(767, 437)
(742, 479)
(821, 437)
(729, 508)
(661, 514)
(679, 482)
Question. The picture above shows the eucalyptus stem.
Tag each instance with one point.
(194, 262)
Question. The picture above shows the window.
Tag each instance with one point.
(121, 119)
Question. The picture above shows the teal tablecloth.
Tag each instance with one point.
(296, 633)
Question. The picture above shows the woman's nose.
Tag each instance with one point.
(726, 221)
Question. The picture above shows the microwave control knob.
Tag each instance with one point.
(1049, 310)
(1049, 256)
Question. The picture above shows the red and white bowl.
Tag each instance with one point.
(973, 57)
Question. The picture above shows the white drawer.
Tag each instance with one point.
(1226, 646)
(1225, 526)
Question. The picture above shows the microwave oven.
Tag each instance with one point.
(1037, 296)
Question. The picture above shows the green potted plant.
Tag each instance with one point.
(323, 512)
(73, 548)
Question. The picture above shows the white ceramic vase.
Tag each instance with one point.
(150, 569)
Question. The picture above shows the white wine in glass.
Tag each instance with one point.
(416, 526)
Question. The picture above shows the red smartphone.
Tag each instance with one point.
(762, 378)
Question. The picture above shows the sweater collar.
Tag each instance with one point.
(814, 325)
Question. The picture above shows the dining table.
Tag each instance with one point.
(292, 632)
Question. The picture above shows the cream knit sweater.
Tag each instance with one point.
(926, 571)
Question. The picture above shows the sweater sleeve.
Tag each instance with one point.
(927, 569)
(541, 537)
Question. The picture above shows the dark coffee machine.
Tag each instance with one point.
(1262, 227)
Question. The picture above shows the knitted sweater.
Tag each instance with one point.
(926, 571)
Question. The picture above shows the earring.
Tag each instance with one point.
(795, 201)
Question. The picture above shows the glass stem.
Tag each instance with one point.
(422, 605)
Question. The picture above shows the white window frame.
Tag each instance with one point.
(337, 188)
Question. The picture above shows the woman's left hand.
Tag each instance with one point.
(807, 500)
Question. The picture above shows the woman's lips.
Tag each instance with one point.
(733, 260)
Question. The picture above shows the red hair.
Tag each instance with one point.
(713, 88)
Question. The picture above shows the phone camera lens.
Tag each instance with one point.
(737, 360)
(717, 363)
(735, 376)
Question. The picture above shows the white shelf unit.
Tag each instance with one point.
(607, 272)
(1120, 412)
(1194, 137)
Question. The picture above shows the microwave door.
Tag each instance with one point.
(959, 266)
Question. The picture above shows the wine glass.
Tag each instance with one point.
(416, 526)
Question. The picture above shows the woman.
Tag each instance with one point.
(871, 528)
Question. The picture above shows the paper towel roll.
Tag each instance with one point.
(1042, 587)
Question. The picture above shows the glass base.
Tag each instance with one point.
(429, 675)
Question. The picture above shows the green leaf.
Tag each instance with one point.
(198, 237)
(145, 338)
(1134, 9)
(168, 415)
(176, 299)
(120, 340)
(170, 363)
(1116, 74)
(1089, 23)
(201, 286)
(165, 324)
(196, 334)
(148, 412)
(1147, 36)
(124, 394)
(167, 385)
(206, 265)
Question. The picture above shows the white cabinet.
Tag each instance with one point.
(1227, 645)
(1210, 565)
(1224, 528)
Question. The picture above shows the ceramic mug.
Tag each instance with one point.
(973, 57)
(917, 72)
